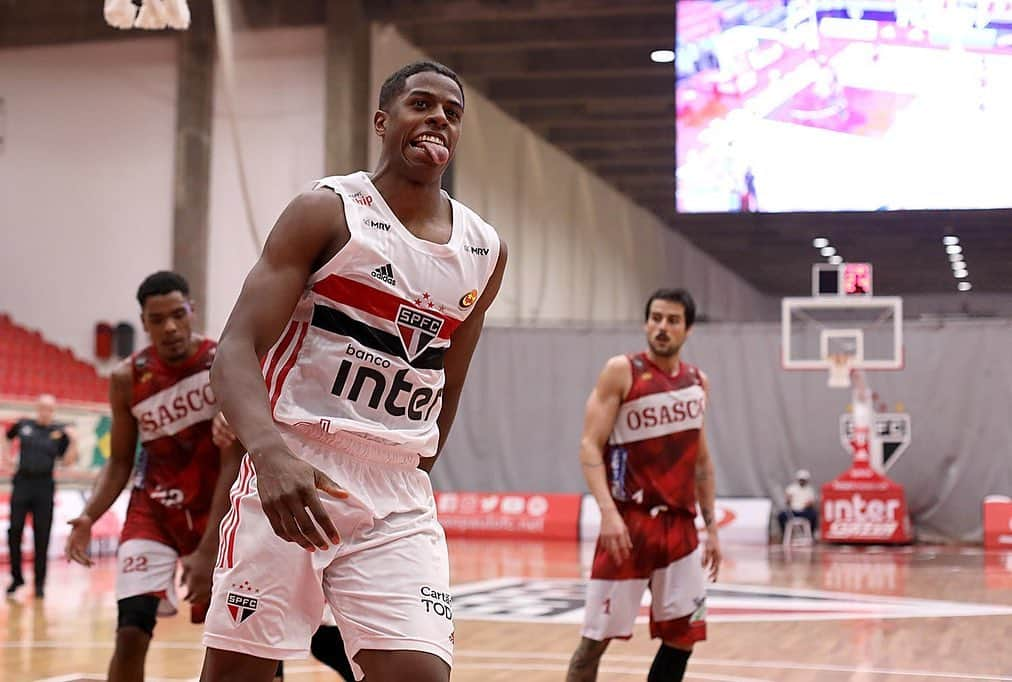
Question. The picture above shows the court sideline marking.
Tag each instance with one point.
(552, 661)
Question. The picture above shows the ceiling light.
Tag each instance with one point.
(958, 265)
(820, 242)
(953, 248)
(835, 260)
(964, 286)
(827, 251)
(950, 240)
(662, 56)
(960, 274)
(955, 257)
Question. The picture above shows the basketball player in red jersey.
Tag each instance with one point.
(340, 370)
(645, 459)
(161, 396)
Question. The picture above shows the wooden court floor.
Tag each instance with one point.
(824, 613)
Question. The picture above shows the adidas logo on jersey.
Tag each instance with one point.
(385, 273)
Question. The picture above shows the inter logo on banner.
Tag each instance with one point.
(240, 607)
(416, 329)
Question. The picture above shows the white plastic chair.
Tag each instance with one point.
(797, 531)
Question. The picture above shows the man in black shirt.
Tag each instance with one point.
(42, 442)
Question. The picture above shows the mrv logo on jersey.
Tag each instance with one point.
(376, 224)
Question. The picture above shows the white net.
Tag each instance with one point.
(840, 365)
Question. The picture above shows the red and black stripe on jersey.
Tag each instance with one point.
(348, 293)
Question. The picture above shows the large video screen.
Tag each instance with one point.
(856, 105)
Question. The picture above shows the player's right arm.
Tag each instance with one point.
(310, 231)
(599, 419)
(116, 472)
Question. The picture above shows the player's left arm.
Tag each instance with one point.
(199, 566)
(706, 495)
(458, 357)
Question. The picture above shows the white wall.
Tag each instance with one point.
(279, 109)
(85, 182)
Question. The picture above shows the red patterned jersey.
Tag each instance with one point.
(178, 463)
(652, 450)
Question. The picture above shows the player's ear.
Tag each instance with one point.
(379, 122)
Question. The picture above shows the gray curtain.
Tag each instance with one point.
(522, 410)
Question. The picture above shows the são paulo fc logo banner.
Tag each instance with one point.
(892, 431)
(416, 329)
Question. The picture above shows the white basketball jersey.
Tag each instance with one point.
(363, 352)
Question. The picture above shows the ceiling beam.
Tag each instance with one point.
(575, 146)
(631, 181)
(646, 136)
(627, 108)
(608, 124)
(599, 155)
(48, 23)
(578, 88)
(436, 11)
(631, 165)
(571, 60)
(463, 36)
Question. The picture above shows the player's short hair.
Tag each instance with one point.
(675, 296)
(394, 84)
(161, 283)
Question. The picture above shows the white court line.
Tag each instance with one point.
(782, 665)
(531, 655)
(63, 644)
(72, 677)
(639, 672)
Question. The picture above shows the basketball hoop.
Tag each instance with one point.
(839, 370)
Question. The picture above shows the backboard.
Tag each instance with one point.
(868, 329)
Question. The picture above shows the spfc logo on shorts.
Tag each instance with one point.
(416, 329)
(240, 607)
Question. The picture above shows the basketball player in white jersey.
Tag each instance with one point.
(340, 370)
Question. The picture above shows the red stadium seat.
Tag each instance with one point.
(30, 365)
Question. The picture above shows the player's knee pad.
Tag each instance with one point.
(669, 664)
(138, 612)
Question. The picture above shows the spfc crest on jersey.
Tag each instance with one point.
(417, 329)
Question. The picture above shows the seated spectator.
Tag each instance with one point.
(800, 497)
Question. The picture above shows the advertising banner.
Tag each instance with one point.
(499, 515)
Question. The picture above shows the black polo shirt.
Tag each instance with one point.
(40, 446)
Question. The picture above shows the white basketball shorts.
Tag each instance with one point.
(387, 581)
(148, 567)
